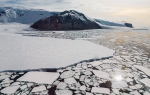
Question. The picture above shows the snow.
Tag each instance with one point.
(19, 52)
(39, 77)
(75, 14)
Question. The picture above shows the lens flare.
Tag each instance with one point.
(118, 77)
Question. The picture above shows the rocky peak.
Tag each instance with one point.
(67, 20)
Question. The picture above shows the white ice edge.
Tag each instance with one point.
(19, 52)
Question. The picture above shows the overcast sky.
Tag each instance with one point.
(136, 12)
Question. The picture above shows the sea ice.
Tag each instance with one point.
(3, 76)
(19, 52)
(146, 93)
(70, 80)
(10, 89)
(101, 74)
(83, 88)
(119, 84)
(145, 70)
(40, 77)
(67, 74)
(95, 63)
(100, 90)
(145, 81)
(61, 85)
(63, 92)
(39, 88)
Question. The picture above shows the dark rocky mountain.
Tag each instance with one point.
(67, 20)
(129, 25)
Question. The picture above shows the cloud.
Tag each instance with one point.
(44, 4)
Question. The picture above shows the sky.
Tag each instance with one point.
(136, 12)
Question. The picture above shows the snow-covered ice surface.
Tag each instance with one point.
(39, 77)
(126, 73)
(19, 52)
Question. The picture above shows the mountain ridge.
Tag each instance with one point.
(30, 16)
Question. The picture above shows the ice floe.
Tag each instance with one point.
(40, 77)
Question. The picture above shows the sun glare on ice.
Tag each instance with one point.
(118, 77)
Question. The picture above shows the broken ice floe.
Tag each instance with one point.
(127, 73)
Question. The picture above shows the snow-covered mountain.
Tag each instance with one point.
(108, 23)
(25, 16)
(30, 16)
